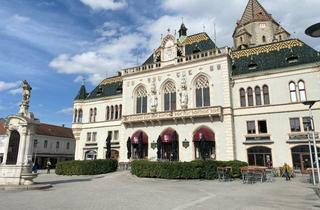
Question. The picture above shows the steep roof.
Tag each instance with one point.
(2, 129)
(53, 130)
(111, 86)
(82, 94)
(194, 43)
(254, 12)
(273, 56)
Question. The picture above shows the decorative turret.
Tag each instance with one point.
(82, 94)
(257, 27)
(182, 30)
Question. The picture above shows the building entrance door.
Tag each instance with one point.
(301, 158)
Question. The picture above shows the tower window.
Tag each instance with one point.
(264, 39)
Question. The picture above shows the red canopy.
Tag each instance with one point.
(208, 134)
(136, 135)
(166, 135)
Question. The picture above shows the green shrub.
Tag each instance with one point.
(86, 167)
(197, 169)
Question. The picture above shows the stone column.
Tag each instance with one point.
(28, 150)
(22, 146)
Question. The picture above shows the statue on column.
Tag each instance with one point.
(26, 93)
(153, 98)
(184, 93)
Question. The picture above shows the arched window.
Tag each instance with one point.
(266, 98)
(264, 40)
(302, 91)
(112, 113)
(45, 144)
(139, 145)
(202, 91)
(120, 111)
(257, 93)
(108, 113)
(80, 116)
(94, 114)
(250, 96)
(141, 100)
(75, 115)
(91, 115)
(168, 145)
(116, 116)
(169, 95)
(242, 98)
(293, 92)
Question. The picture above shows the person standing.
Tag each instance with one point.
(48, 166)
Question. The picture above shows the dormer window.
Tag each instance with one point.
(100, 90)
(252, 65)
(292, 59)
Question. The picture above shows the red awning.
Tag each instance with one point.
(136, 135)
(166, 136)
(208, 134)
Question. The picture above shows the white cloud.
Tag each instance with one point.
(15, 91)
(78, 79)
(8, 85)
(108, 57)
(19, 19)
(105, 4)
(66, 111)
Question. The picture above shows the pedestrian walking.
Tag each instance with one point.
(48, 167)
(286, 169)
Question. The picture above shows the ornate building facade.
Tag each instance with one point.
(241, 103)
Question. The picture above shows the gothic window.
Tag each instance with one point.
(264, 40)
(91, 115)
(112, 113)
(169, 96)
(202, 92)
(257, 92)
(75, 115)
(116, 116)
(141, 100)
(108, 113)
(302, 90)
(80, 113)
(120, 111)
(250, 96)
(266, 98)
(293, 92)
(45, 144)
(94, 114)
(242, 97)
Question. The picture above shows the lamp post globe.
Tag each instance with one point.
(313, 31)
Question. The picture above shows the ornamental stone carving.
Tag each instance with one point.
(153, 98)
(26, 93)
(184, 93)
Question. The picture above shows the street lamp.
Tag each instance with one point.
(310, 104)
(314, 30)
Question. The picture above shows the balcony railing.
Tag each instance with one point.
(210, 112)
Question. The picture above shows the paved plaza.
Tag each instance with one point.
(121, 190)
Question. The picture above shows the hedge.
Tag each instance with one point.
(197, 169)
(86, 167)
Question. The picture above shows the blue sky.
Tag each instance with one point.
(54, 44)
